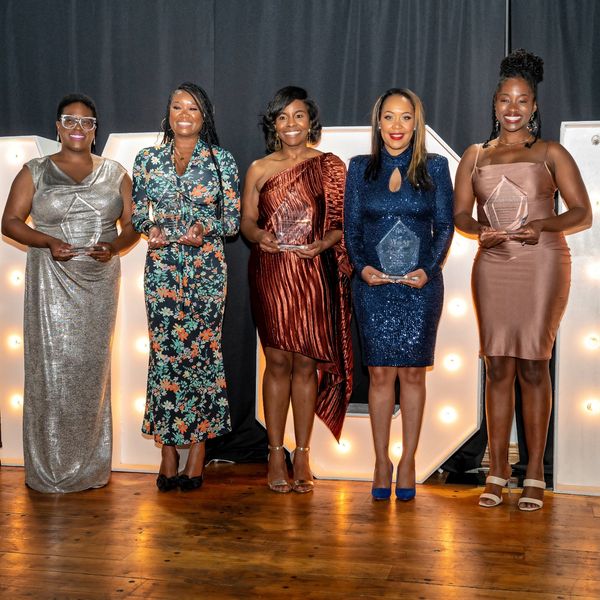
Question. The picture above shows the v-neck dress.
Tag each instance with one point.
(520, 292)
(303, 305)
(185, 289)
(70, 311)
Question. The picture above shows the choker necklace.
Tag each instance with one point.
(525, 141)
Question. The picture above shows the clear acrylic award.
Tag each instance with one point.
(172, 214)
(81, 226)
(292, 224)
(398, 252)
(506, 208)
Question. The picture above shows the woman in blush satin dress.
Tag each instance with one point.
(74, 199)
(398, 185)
(521, 274)
(299, 278)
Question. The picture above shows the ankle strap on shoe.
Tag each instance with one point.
(282, 447)
(303, 449)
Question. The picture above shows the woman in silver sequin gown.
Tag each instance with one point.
(70, 301)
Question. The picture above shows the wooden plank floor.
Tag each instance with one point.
(235, 539)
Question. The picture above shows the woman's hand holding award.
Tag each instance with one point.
(398, 252)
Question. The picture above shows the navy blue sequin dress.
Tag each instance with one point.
(397, 323)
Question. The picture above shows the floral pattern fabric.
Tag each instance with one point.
(185, 289)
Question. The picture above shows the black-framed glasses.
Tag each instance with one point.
(71, 121)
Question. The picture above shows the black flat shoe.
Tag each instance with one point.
(166, 484)
(188, 484)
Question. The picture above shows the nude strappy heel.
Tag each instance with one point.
(496, 500)
(303, 486)
(280, 486)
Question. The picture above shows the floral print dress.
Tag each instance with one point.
(185, 289)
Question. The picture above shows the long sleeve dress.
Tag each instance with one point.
(69, 318)
(397, 323)
(303, 305)
(185, 289)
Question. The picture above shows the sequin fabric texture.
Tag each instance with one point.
(398, 324)
(303, 305)
(69, 318)
(185, 289)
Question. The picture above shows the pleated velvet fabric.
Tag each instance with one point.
(302, 305)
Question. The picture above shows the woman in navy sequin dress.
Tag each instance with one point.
(398, 319)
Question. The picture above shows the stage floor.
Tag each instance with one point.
(236, 539)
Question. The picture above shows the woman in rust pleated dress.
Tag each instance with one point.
(521, 274)
(299, 279)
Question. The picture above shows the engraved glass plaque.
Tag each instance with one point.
(81, 226)
(172, 214)
(506, 208)
(398, 251)
(292, 224)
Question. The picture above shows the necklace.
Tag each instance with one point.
(179, 156)
(513, 143)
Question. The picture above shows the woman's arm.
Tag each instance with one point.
(443, 220)
(16, 212)
(249, 225)
(578, 215)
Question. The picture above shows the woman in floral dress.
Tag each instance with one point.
(186, 201)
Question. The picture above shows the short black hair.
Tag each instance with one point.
(72, 99)
(283, 98)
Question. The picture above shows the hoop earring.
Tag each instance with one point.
(277, 143)
(309, 137)
(163, 124)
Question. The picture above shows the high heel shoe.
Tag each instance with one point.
(534, 483)
(406, 494)
(166, 484)
(496, 500)
(279, 486)
(383, 493)
(188, 484)
(303, 486)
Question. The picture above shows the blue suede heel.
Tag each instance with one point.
(383, 493)
(406, 494)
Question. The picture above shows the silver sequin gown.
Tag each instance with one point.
(70, 311)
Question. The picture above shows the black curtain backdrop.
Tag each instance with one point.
(129, 54)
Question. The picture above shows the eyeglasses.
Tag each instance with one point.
(71, 121)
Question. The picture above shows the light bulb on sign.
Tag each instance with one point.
(452, 362)
(397, 449)
(140, 282)
(457, 307)
(593, 406)
(459, 245)
(592, 341)
(593, 271)
(142, 345)
(448, 414)
(15, 341)
(344, 446)
(16, 277)
(16, 401)
(140, 404)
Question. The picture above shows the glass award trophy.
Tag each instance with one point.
(292, 225)
(81, 226)
(171, 213)
(506, 208)
(398, 252)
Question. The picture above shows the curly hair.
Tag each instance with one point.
(283, 98)
(529, 67)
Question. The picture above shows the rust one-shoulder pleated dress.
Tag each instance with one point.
(520, 292)
(302, 305)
